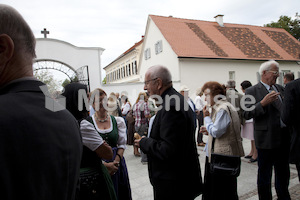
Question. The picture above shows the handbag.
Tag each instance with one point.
(225, 165)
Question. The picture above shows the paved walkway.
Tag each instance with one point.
(142, 189)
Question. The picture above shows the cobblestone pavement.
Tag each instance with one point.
(142, 189)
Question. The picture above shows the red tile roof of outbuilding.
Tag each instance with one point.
(204, 39)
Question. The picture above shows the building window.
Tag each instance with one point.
(123, 71)
(133, 69)
(129, 67)
(158, 47)
(280, 77)
(258, 76)
(147, 54)
(136, 71)
(126, 70)
(231, 75)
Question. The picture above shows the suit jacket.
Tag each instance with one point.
(171, 147)
(290, 115)
(267, 129)
(40, 150)
(235, 97)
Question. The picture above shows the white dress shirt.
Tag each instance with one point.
(199, 103)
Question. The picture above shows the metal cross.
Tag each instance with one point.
(45, 32)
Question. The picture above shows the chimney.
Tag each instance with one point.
(219, 19)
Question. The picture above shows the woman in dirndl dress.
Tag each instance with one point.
(113, 130)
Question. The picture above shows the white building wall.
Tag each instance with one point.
(196, 72)
(167, 57)
(74, 56)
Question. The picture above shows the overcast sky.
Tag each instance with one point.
(116, 25)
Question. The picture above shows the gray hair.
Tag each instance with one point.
(162, 72)
(267, 66)
(14, 25)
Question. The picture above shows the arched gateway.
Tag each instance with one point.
(82, 62)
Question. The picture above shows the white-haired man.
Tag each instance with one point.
(173, 162)
(270, 133)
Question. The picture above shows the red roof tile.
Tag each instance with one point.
(203, 39)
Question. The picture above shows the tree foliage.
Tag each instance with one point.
(66, 82)
(48, 78)
(104, 80)
(290, 25)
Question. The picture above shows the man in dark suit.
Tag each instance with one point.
(40, 150)
(173, 162)
(270, 133)
(290, 116)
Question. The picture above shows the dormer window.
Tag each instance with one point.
(158, 47)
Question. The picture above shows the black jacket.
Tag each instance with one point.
(267, 128)
(171, 148)
(40, 150)
(290, 115)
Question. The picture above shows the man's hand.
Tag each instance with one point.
(137, 141)
(269, 98)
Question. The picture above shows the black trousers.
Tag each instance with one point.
(218, 187)
(298, 169)
(200, 122)
(170, 190)
(279, 159)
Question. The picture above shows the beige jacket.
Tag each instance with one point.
(230, 143)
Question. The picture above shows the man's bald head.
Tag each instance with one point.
(14, 25)
(159, 71)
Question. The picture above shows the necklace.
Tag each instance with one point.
(101, 120)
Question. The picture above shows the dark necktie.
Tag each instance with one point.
(278, 102)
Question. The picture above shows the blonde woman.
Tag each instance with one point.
(113, 130)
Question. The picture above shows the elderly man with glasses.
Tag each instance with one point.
(270, 133)
(173, 161)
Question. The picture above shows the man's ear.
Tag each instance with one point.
(160, 83)
(6, 48)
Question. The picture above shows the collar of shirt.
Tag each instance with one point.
(266, 85)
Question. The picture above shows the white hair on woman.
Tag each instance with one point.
(267, 66)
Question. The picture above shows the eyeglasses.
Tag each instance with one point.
(147, 82)
(274, 72)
